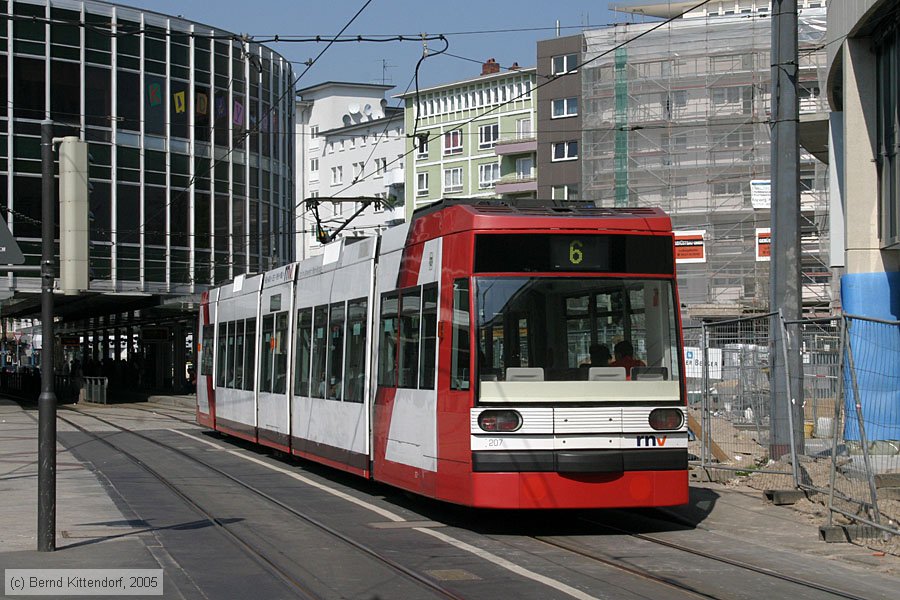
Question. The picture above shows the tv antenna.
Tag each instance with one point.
(385, 65)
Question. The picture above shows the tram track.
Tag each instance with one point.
(687, 586)
(255, 553)
(585, 552)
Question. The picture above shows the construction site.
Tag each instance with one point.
(679, 118)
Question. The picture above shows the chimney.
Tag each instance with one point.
(490, 67)
(515, 67)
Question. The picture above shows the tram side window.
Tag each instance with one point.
(206, 352)
(249, 356)
(229, 354)
(319, 351)
(220, 355)
(459, 353)
(265, 353)
(238, 326)
(410, 317)
(280, 350)
(387, 349)
(304, 340)
(334, 385)
(355, 373)
(429, 337)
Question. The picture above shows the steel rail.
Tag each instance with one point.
(409, 573)
(249, 548)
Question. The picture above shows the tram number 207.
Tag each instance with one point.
(494, 442)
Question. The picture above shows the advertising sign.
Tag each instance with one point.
(763, 244)
(690, 246)
(761, 193)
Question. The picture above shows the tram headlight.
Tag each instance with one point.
(500, 420)
(666, 419)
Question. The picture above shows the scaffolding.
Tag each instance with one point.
(679, 118)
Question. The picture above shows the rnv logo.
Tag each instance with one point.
(652, 440)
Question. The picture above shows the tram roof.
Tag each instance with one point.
(461, 214)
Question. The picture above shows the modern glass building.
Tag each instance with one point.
(190, 139)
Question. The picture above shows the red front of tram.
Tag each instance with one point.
(559, 376)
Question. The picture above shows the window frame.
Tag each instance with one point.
(421, 146)
(567, 147)
(565, 106)
(568, 64)
(484, 183)
(453, 142)
(485, 140)
(455, 188)
(420, 178)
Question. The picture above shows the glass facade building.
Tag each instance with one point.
(189, 129)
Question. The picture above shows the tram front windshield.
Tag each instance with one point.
(560, 328)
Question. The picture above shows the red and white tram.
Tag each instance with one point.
(450, 357)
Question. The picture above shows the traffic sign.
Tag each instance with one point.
(10, 253)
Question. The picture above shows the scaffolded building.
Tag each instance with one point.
(680, 118)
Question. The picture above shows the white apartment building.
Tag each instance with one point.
(350, 143)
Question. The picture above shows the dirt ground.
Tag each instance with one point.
(741, 448)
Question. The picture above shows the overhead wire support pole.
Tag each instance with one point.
(784, 272)
(47, 400)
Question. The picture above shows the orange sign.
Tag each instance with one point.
(763, 244)
(690, 246)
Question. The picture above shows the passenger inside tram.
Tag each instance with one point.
(625, 357)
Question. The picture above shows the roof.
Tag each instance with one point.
(666, 9)
(391, 113)
(356, 84)
(480, 78)
(462, 214)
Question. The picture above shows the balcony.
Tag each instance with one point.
(394, 177)
(517, 145)
(516, 183)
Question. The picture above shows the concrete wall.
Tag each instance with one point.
(552, 130)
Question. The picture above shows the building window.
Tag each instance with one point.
(565, 107)
(314, 131)
(453, 180)
(523, 128)
(488, 175)
(337, 175)
(727, 188)
(525, 168)
(453, 142)
(566, 63)
(421, 184)
(488, 135)
(421, 144)
(729, 95)
(565, 151)
(314, 169)
(358, 170)
(380, 166)
(565, 192)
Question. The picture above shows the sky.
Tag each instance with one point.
(394, 62)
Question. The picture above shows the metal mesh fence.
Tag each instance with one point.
(693, 361)
(864, 481)
(845, 453)
(819, 343)
(735, 415)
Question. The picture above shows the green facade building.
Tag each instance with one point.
(472, 138)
